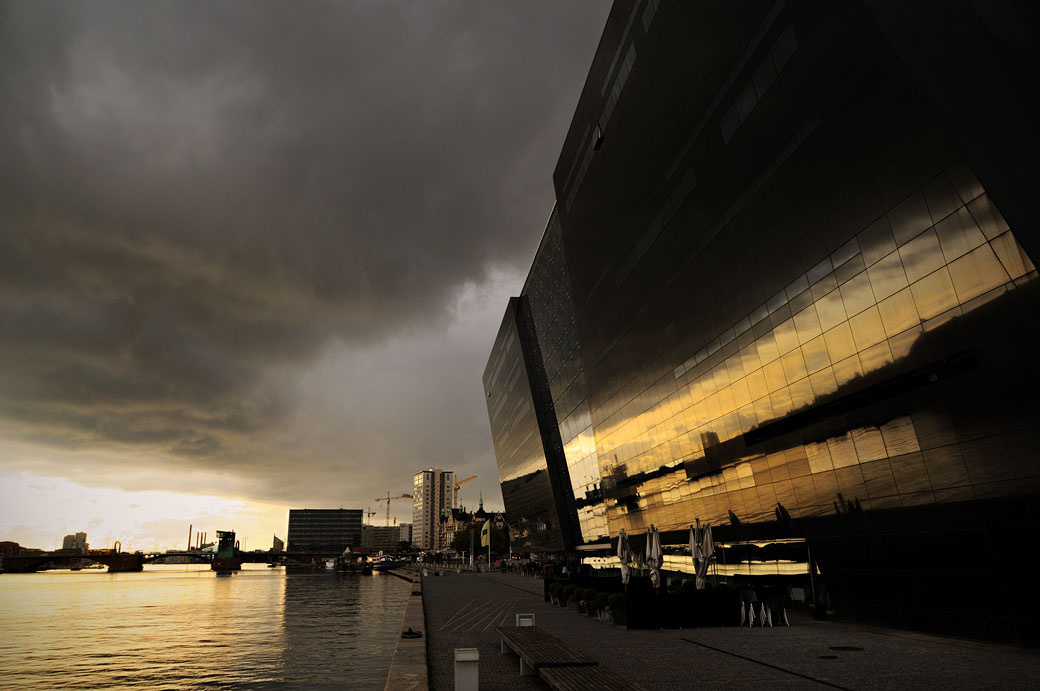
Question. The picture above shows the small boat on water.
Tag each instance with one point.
(354, 566)
(385, 563)
(226, 559)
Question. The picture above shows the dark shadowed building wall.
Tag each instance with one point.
(790, 285)
(535, 488)
(536, 371)
(795, 248)
(547, 292)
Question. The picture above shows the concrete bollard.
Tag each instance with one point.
(467, 661)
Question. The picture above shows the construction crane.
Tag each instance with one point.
(387, 499)
(369, 513)
(455, 498)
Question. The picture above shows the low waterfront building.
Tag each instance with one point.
(11, 549)
(323, 530)
(380, 538)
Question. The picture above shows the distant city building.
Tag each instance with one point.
(77, 542)
(433, 494)
(380, 538)
(323, 530)
(405, 532)
(278, 545)
(9, 548)
(459, 520)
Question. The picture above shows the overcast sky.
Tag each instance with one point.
(259, 251)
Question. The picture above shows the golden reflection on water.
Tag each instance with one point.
(182, 626)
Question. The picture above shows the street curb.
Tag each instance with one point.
(408, 668)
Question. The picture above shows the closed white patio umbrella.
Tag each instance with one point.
(707, 550)
(625, 555)
(654, 556)
(695, 546)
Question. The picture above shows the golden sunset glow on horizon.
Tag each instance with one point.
(38, 511)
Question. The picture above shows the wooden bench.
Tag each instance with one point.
(586, 679)
(539, 650)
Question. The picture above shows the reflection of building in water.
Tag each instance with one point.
(337, 630)
(799, 278)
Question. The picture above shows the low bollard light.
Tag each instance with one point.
(467, 661)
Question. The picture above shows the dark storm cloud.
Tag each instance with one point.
(196, 198)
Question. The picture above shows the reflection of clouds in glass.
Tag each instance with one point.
(938, 255)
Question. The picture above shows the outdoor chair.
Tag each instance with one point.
(773, 605)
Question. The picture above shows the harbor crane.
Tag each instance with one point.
(455, 499)
(387, 499)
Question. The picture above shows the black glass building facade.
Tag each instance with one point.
(526, 438)
(540, 419)
(798, 241)
(547, 293)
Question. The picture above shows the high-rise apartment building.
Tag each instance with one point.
(433, 495)
(797, 242)
(323, 530)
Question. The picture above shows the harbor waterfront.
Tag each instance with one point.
(184, 627)
(462, 611)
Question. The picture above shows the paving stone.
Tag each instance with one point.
(463, 609)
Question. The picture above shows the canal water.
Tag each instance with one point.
(184, 627)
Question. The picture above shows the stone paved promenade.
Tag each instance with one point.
(463, 609)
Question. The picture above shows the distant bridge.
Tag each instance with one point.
(135, 561)
(27, 563)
